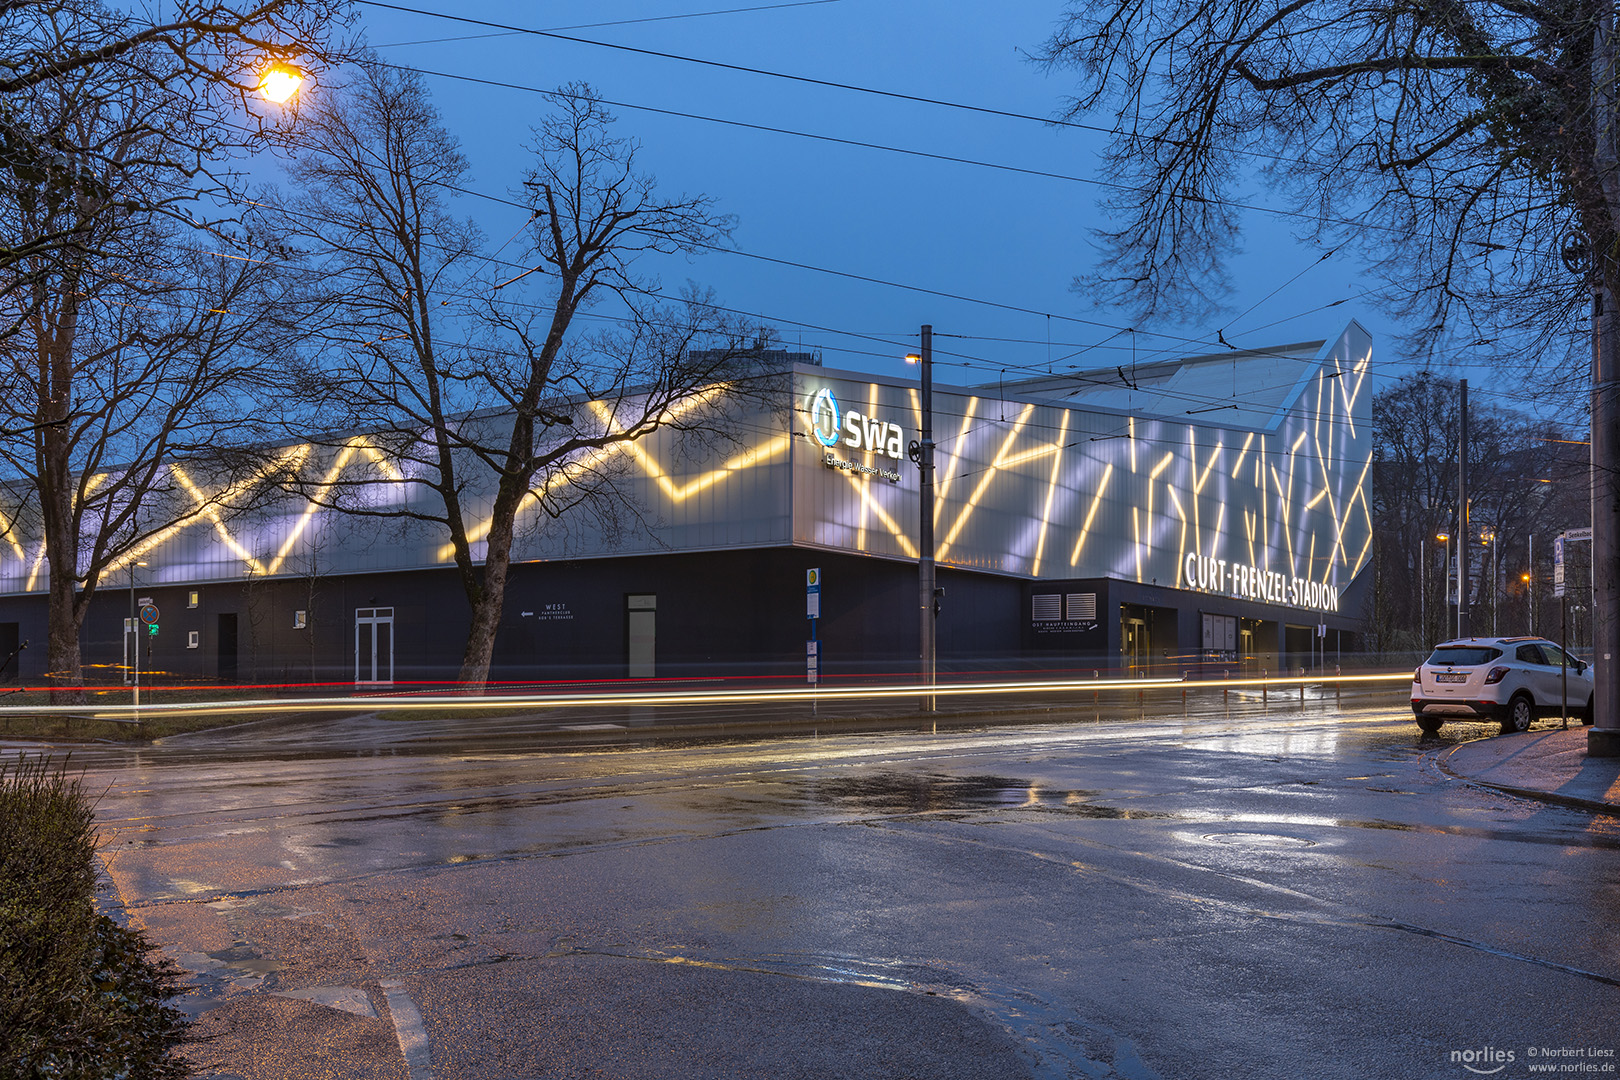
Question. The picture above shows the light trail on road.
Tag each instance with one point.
(471, 700)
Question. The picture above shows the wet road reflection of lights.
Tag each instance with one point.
(1149, 895)
(963, 692)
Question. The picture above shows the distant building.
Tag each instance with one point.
(1204, 513)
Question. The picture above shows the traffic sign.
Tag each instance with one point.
(149, 614)
(812, 593)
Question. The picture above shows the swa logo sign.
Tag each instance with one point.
(834, 426)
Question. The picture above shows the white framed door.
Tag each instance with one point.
(641, 630)
(374, 646)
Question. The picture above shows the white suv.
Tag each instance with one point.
(1510, 679)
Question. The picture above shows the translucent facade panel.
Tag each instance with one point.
(1039, 487)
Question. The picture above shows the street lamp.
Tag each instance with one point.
(1530, 593)
(280, 82)
(1488, 538)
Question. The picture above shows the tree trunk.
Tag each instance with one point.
(65, 674)
(486, 609)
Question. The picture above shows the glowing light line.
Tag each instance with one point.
(1238, 464)
(984, 481)
(1096, 500)
(958, 448)
(1051, 489)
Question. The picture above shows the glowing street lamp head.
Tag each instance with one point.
(913, 358)
(280, 82)
(1442, 537)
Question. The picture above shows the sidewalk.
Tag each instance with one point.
(1550, 765)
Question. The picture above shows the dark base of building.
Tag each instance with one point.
(732, 614)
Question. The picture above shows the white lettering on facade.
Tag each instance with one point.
(871, 435)
(1246, 582)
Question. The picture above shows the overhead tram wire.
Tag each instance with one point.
(966, 361)
(885, 147)
(900, 150)
(1048, 121)
(615, 22)
(809, 80)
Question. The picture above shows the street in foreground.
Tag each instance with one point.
(1240, 894)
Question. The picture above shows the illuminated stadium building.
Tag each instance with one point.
(1209, 511)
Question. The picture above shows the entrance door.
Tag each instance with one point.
(641, 623)
(374, 646)
(1134, 645)
(227, 648)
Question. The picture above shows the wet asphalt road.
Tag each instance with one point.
(1299, 894)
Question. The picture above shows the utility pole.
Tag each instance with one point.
(1603, 739)
(926, 592)
(1462, 516)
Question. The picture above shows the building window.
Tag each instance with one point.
(1220, 633)
(192, 636)
(298, 620)
(1082, 606)
(1048, 608)
(191, 598)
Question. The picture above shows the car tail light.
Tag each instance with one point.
(1417, 676)
(1495, 675)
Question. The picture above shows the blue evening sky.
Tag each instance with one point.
(976, 233)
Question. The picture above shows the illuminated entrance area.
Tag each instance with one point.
(1147, 635)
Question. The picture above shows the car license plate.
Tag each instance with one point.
(1450, 676)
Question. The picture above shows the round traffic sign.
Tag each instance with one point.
(149, 614)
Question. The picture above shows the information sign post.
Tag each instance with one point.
(812, 648)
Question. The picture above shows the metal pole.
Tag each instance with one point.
(1532, 590)
(1462, 514)
(129, 627)
(1563, 664)
(925, 562)
(1423, 591)
(136, 643)
(1603, 738)
(1496, 570)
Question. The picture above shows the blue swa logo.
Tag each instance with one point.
(833, 426)
(826, 419)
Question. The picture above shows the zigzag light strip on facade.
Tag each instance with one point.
(1091, 513)
(984, 481)
(1051, 490)
(1028, 490)
(565, 474)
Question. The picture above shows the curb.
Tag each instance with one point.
(1596, 806)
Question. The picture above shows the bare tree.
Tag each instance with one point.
(130, 347)
(477, 392)
(1470, 148)
(1522, 482)
(197, 69)
(1452, 140)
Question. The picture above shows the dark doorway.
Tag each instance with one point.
(227, 648)
(10, 658)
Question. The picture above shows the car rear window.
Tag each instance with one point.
(1464, 655)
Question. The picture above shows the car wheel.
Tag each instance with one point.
(1429, 724)
(1589, 713)
(1520, 712)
